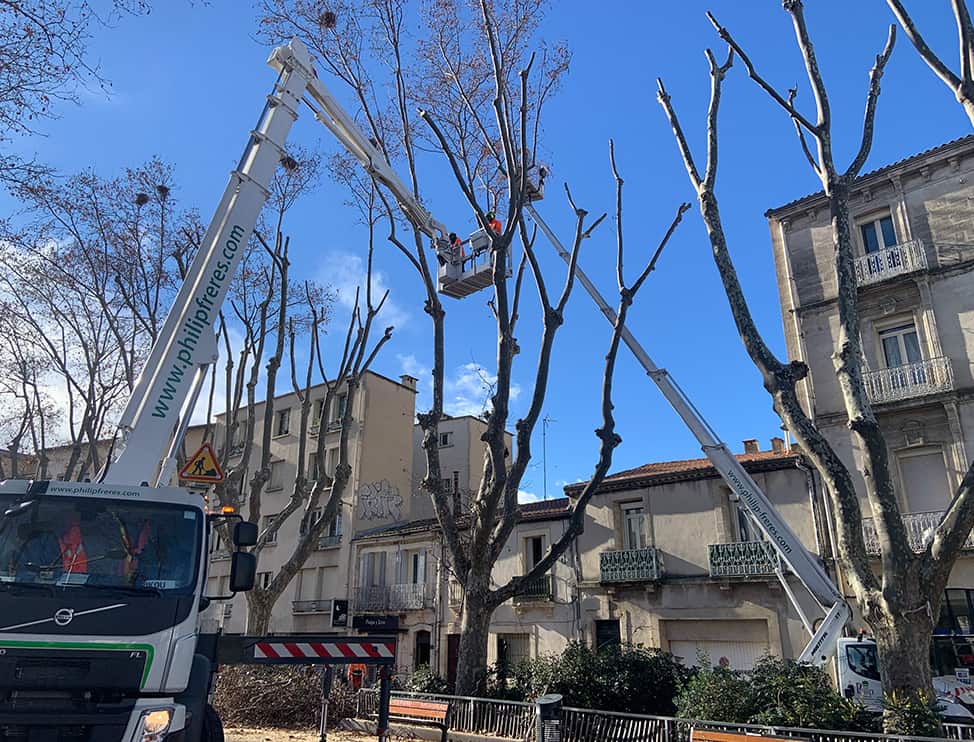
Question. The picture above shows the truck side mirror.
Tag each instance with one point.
(245, 534)
(243, 572)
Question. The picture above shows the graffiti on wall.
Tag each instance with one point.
(379, 501)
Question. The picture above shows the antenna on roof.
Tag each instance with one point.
(544, 451)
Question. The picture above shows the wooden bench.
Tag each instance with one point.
(433, 713)
(712, 735)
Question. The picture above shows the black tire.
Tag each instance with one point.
(212, 726)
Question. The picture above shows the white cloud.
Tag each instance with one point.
(346, 272)
(524, 496)
(466, 392)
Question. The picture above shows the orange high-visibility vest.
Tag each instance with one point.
(495, 226)
(73, 556)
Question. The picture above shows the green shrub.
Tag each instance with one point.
(915, 714)
(424, 680)
(618, 678)
(715, 694)
(776, 692)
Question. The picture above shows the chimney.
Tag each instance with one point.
(778, 444)
(751, 445)
(409, 381)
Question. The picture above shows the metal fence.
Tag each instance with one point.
(515, 720)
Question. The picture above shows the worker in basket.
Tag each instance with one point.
(456, 248)
(493, 223)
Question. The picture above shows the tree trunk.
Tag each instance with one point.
(903, 642)
(259, 609)
(472, 655)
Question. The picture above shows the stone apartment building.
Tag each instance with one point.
(667, 559)
(914, 232)
(378, 494)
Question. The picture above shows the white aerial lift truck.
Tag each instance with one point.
(102, 584)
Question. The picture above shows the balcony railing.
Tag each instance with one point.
(411, 597)
(227, 610)
(539, 590)
(919, 531)
(401, 597)
(892, 261)
(219, 556)
(912, 380)
(630, 565)
(456, 594)
(310, 606)
(743, 559)
(329, 542)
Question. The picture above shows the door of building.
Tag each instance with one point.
(452, 653)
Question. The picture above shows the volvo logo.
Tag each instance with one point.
(64, 616)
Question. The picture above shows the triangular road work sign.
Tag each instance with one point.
(202, 467)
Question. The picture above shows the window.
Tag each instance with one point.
(513, 649)
(446, 439)
(331, 462)
(313, 468)
(266, 523)
(335, 527)
(446, 485)
(372, 569)
(417, 567)
(283, 422)
(316, 413)
(264, 579)
(633, 527)
(747, 529)
(900, 345)
(276, 481)
(339, 408)
(534, 550)
(309, 520)
(877, 234)
(923, 474)
(862, 659)
(607, 633)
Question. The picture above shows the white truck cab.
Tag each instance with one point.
(857, 662)
(101, 589)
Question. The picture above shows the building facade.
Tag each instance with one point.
(914, 238)
(377, 494)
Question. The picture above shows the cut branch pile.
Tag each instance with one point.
(278, 696)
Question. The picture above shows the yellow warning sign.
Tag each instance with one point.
(202, 467)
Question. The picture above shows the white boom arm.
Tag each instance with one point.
(158, 411)
(805, 566)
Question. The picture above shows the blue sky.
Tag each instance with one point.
(188, 82)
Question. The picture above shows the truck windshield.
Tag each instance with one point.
(98, 543)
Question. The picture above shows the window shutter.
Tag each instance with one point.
(382, 569)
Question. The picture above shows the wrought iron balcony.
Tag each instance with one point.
(743, 559)
(310, 606)
(219, 556)
(912, 380)
(919, 531)
(411, 596)
(897, 260)
(401, 597)
(456, 594)
(329, 542)
(539, 590)
(630, 565)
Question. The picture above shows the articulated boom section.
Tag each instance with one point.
(164, 396)
(330, 113)
(791, 550)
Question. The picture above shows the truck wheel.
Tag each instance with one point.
(212, 726)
